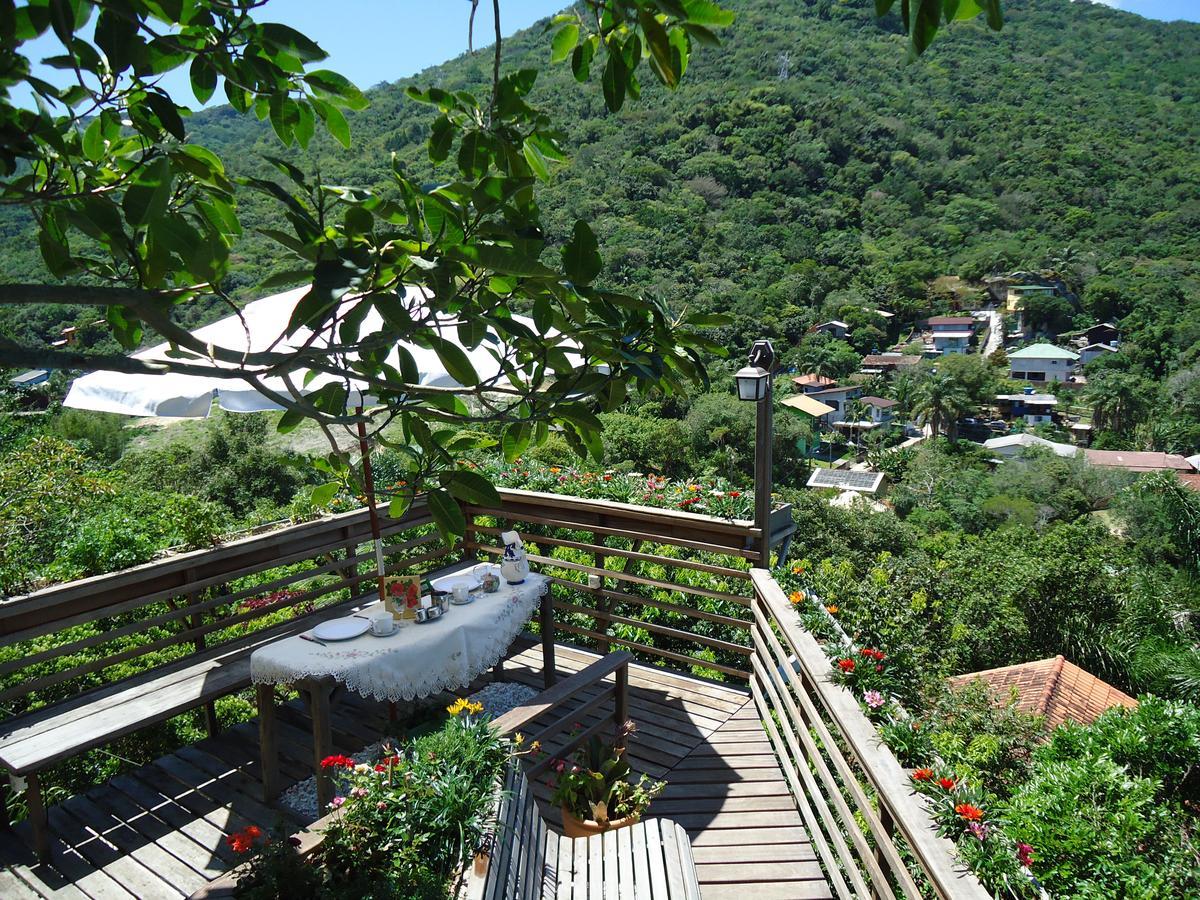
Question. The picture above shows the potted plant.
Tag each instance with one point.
(596, 792)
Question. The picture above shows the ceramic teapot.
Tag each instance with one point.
(514, 566)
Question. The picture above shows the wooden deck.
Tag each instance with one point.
(158, 832)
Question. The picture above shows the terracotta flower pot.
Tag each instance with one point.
(575, 828)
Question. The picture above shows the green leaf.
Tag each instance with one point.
(167, 114)
(93, 140)
(581, 255)
(581, 59)
(334, 121)
(322, 494)
(204, 79)
(289, 421)
(447, 514)
(705, 12)
(564, 43)
(614, 80)
(455, 360)
(56, 252)
(289, 39)
(399, 506)
(441, 138)
(471, 487)
(331, 84)
(514, 440)
(147, 197)
(666, 66)
(537, 162)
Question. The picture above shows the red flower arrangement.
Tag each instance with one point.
(969, 812)
(243, 841)
(846, 665)
(922, 775)
(338, 761)
(871, 653)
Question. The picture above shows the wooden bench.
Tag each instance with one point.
(183, 602)
(651, 859)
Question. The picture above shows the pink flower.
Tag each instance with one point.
(381, 805)
(978, 830)
(357, 792)
(336, 802)
(873, 699)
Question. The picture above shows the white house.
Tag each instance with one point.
(837, 397)
(1042, 362)
(1013, 445)
(1091, 351)
(1035, 409)
(952, 334)
(833, 327)
(879, 408)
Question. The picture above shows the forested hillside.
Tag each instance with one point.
(807, 165)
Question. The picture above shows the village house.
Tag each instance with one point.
(1054, 688)
(1011, 446)
(1104, 333)
(1042, 362)
(837, 397)
(1035, 409)
(810, 382)
(810, 408)
(887, 363)
(1091, 351)
(952, 334)
(880, 409)
(833, 327)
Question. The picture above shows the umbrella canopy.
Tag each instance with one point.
(257, 329)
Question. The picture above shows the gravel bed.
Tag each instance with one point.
(497, 698)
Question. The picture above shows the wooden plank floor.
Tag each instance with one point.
(158, 832)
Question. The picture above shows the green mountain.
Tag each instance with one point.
(807, 166)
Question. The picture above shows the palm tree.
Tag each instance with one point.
(855, 412)
(1119, 400)
(939, 401)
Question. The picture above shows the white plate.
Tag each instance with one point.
(341, 629)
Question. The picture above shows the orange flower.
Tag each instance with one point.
(796, 597)
(969, 812)
(833, 610)
(922, 775)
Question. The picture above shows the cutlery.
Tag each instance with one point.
(309, 637)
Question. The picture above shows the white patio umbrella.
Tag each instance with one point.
(257, 329)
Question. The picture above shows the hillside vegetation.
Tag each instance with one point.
(1070, 139)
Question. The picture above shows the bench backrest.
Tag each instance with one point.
(68, 639)
(518, 868)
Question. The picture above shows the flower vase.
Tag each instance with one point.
(574, 827)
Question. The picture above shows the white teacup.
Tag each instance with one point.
(383, 625)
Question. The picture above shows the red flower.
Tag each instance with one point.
(922, 775)
(947, 784)
(1025, 854)
(969, 812)
(735, 493)
(846, 665)
(243, 841)
(337, 761)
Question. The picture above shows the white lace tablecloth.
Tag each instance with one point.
(415, 660)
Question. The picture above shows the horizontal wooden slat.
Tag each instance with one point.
(655, 651)
(654, 628)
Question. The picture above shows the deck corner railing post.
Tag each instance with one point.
(621, 697)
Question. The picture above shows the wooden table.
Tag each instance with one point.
(320, 693)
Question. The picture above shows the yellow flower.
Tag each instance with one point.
(474, 709)
(459, 706)
(535, 746)
(554, 470)
(518, 739)
(796, 597)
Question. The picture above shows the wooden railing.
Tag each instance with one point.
(672, 588)
(841, 775)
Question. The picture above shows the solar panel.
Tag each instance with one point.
(846, 480)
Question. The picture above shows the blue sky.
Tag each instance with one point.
(370, 41)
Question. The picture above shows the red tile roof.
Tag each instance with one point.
(878, 402)
(1054, 688)
(1138, 461)
(952, 320)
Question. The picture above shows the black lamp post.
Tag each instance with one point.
(754, 385)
